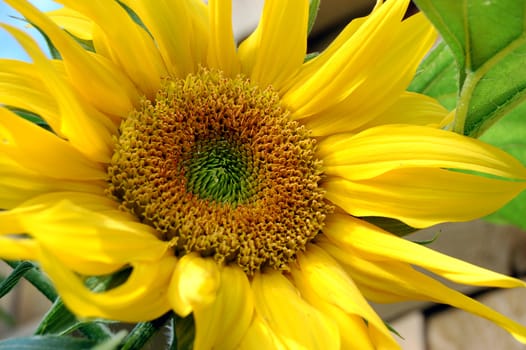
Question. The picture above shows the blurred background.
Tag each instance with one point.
(423, 326)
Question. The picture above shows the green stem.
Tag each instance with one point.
(36, 278)
(143, 332)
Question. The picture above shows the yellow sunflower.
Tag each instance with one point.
(236, 182)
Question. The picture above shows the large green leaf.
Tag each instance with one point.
(509, 134)
(488, 41)
(437, 76)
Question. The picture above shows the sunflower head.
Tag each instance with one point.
(217, 166)
(231, 181)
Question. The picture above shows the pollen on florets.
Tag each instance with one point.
(217, 166)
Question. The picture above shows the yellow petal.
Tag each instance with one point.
(72, 21)
(195, 282)
(181, 46)
(141, 298)
(381, 149)
(422, 197)
(402, 279)
(276, 49)
(131, 46)
(413, 109)
(86, 225)
(294, 321)
(18, 249)
(86, 129)
(20, 184)
(260, 336)
(21, 87)
(40, 151)
(378, 245)
(319, 273)
(96, 79)
(223, 323)
(363, 77)
(222, 48)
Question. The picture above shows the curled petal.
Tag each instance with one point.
(194, 284)
(142, 297)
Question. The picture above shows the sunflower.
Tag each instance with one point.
(238, 183)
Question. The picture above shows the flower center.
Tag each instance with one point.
(218, 167)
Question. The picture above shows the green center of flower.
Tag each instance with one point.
(218, 167)
(218, 170)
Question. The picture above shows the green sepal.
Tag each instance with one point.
(428, 241)
(314, 6)
(393, 330)
(30, 116)
(390, 225)
(310, 56)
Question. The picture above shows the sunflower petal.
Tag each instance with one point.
(412, 109)
(194, 283)
(422, 197)
(378, 245)
(19, 184)
(40, 151)
(318, 273)
(381, 149)
(141, 298)
(86, 129)
(223, 323)
(73, 22)
(260, 336)
(181, 46)
(21, 87)
(131, 46)
(401, 279)
(296, 323)
(222, 48)
(277, 48)
(70, 223)
(95, 78)
(18, 249)
(349, 89)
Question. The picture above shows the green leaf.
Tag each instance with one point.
(509, 134)
(46, 343)
(437, 76)
(488, 41)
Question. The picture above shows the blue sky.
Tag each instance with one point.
(9, 48)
